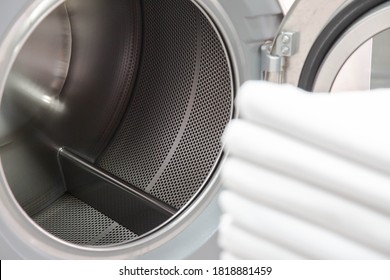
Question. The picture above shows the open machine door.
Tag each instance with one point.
(330, 46)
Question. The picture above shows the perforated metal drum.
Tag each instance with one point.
(112, 114)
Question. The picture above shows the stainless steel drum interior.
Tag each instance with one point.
(111, 117)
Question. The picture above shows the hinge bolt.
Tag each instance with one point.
(285, 50)
(286, 39)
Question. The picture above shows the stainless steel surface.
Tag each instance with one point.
(103, 64)
(36, 82)
(362, 31)
(380, 60)
(107, 42)
(142, 196)
(286, 43)
(247, 24)
(28, 163)
(69, 126)
(308, 18)
(169, 142)
(40, 70)
(271, 64)
(100, 74)
(92, 102)
(75, 221)
(274, 55)
(355, 74)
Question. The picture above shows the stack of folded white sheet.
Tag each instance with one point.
(307, 175)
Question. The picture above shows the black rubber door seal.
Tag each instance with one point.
(331, 33)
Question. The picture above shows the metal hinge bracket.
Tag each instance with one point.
(274, 54)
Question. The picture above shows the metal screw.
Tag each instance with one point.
(285, 39)
(285, 50)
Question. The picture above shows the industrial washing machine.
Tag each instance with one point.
(112, 111)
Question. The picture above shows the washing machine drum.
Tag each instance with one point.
(112, 112)
(111, 120)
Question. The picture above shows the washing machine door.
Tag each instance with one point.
(335, 46)
(111, 114)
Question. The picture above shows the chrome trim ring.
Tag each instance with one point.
(371, 24)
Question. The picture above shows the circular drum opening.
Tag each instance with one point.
(111, 118)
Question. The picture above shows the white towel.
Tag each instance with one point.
(318, 163)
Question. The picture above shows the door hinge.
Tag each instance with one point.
(274, 54)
